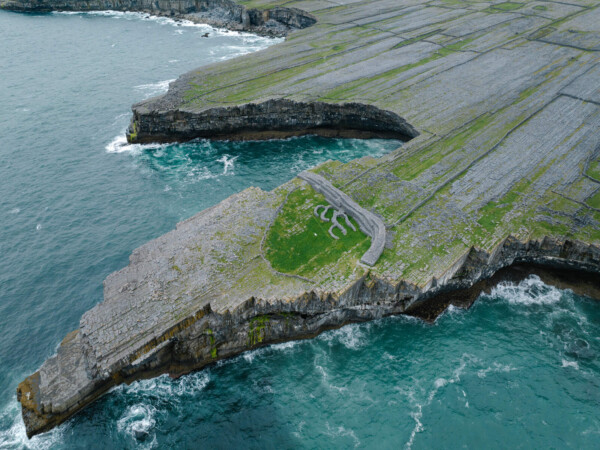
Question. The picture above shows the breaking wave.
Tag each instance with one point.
(137, 423)
(200, 28)
(165, 387)
(13, 436)
(154, 89)
(531, 291)
(351, 336)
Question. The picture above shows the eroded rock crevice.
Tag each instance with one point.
(272, 119)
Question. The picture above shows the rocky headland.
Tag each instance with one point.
(500, 178)
(275, 21)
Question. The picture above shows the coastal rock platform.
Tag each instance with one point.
(500, 105)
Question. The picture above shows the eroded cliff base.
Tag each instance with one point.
(582, 283)
(274, 328)
(276, 21)
(272, 119)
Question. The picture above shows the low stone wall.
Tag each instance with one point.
(368, 222)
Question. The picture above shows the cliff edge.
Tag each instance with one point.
(500, 104)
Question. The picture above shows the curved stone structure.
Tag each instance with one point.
(334, 221)
(114, 346)
(368, 222)
(323, 213)
(348, 223)
(333, 227)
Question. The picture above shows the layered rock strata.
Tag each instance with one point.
(276, 118)
(277, 21)
(83, 370)
(503, 168)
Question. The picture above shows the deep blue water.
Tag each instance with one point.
(520, 369)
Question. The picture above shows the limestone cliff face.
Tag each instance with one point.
(277, 21)
(208, 335)
(270, 119)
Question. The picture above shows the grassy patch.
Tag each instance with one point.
(417, 164)
(461, 3)
(253, 4)
(540, 8)
(594, 170)
(347, 90)
(493, 212)
(298, 242)
(455, 47)
(506, 6)
(594, 201)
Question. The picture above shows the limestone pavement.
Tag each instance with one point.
(502, 102)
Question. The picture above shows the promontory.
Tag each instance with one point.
(499, 105)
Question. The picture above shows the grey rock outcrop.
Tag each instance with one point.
(277, 21)
(334, 220)
(77, 374)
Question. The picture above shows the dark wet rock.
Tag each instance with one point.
(220, 13)
(140, 435)
(275, 118)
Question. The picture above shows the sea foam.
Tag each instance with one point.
(531, 291)
(201, 28)
(137, 422)
(15, 437)
(154, 89)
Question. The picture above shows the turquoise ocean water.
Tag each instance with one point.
(520, 369)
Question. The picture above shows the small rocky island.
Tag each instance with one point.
(500, 104)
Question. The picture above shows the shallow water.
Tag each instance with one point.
(520, 369)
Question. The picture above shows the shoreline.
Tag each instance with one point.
(500, 171)
(209, 336)
(428, 311)
(226, 14)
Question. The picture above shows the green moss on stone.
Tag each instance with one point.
(416, 39)
(594, 201)
(594, 170)
(213, 347)
(299, 243)
(133, 135)
(506, 6)
(256, 335)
